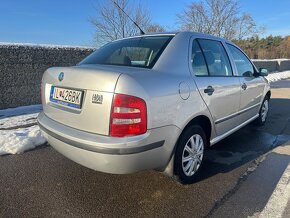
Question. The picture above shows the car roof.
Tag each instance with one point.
(188, 33)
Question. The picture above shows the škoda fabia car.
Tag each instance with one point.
(152, 102)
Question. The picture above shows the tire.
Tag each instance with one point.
(263, 113)
(188, 161)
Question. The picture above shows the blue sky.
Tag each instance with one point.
(66, 21)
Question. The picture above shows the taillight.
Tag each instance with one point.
(128, 116)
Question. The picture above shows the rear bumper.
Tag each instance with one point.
(111, 155)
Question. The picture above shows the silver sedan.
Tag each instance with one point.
(152, 102)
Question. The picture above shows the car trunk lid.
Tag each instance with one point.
(97, 85)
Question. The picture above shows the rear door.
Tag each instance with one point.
(218, 87)
(251, 87)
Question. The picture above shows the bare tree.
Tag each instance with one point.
(246, 27)
(111, 23)
(218, 17)
(154, 28)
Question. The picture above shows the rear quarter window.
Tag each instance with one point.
(197, 60)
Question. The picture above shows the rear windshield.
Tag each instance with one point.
(133, 52)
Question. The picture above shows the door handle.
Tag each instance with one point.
(209, 90)
(244, 86)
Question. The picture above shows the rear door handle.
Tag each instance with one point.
(244, 86)
(209, 90)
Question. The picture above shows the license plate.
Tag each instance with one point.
(68, 97)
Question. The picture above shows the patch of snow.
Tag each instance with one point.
(281, 59)
(19, 140)
(276, 76)
(20, 111)
(18, 121)
(15, 138)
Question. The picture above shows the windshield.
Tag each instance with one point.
(134, 52)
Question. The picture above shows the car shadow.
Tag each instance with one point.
(248, 143)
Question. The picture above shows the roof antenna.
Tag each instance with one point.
(141, 31)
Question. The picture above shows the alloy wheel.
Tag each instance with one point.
(192, 155)
(264, 110)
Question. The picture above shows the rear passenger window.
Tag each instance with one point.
(216, 58)
(197, 60)
(244, 66)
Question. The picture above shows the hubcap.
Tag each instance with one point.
(192, 155)
(264, 110)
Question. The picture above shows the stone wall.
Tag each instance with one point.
(22, 66)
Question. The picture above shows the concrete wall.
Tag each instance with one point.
(22, 66)
(273, 65)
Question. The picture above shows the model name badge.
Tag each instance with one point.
(97, 99)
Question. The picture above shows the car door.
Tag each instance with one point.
(218, 87)
(252, 87)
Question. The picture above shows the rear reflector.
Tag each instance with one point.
(128, 116)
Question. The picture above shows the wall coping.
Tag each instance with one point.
(46, 46)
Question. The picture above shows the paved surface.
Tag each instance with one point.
(42, 183)
(251, 196)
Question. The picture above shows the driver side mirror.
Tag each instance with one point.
(263, 72)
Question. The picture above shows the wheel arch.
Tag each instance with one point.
(204, 122)
(268, 94)
(201, 120)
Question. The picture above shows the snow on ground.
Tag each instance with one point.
(20, 110)
(16, 121)
(278, 59)
(19, 140)
(19, 131)
(276, 76)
